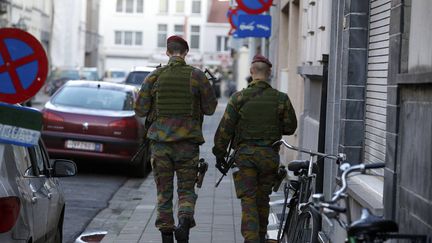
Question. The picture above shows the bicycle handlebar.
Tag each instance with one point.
(310, 152)
(361, 167)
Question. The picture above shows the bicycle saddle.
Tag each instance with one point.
(297, 165)
(371, 224)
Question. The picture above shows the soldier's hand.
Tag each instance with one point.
(221, 165)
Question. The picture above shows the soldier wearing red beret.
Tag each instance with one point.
(174, 98)
(255, 118)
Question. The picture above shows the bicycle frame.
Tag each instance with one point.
(329, 208)
(301, 195)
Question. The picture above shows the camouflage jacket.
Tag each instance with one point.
(227, 125)
(169, 129)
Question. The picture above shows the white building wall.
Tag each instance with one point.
(126, 57)
(68, 39)
(32, 15)
(211, 54)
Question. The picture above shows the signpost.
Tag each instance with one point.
(23, 65)
(254, 26)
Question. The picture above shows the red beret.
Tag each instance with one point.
(261, 58)
(178, 39)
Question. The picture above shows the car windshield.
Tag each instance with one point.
(118, 74)
(136, 78)
(94, 98)
(66, 74)
(90, 75)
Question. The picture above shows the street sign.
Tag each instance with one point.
(254, 6)
(19, 125)
(233, 14)
(254, 26)
(23, 65)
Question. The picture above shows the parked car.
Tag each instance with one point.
(60, 76)
(94, 120)
(115, 75)
(89, 73)
(137, 75)
(32, 203)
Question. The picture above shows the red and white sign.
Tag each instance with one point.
(254, 6)
(23, 65)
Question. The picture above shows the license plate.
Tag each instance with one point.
(70, 144)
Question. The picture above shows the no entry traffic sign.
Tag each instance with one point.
(23, 65)
(254, 6)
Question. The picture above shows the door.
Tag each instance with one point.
(40, 197)
(55, 196)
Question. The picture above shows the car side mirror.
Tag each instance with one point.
(64, 168)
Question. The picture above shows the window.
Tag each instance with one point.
(118, 37)
(179, 30)
(37, 155)
(180, 6)
(196, 6)
(163, 6)
(222, 43)
(140, 6)
(24, 164)
(162, 35)
(195, 37)
(95, 98)
(128, 38)
(138, 38)
(130, 6)
(119, 7)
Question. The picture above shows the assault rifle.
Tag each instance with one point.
(202, 169)
(210, 76)
(229, 163)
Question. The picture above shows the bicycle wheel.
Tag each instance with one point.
(306, 228)
(289, 226)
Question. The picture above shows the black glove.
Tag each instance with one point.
(221, 165)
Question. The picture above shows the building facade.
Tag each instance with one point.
(33, 16)
(217, 46)
(359, 76)
(380, 110)
(135, 31)
(299, 47)
(68, 33)
(93, 43)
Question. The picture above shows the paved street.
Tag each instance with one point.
(86, 194)
(131, 213)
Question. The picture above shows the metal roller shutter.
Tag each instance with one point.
(376, 85)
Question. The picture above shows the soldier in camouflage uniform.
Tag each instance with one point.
(255, 118)
(174, 98)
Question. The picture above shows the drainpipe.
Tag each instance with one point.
(322, 124)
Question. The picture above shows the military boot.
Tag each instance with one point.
(167, 237)
(181, 232)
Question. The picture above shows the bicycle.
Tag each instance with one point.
(301, 222)
(369, 228)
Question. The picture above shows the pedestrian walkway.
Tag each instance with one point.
(131, 213)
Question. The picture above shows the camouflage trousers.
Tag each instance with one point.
(166, 159)
(257, 168)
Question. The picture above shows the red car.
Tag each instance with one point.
(94, 120)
